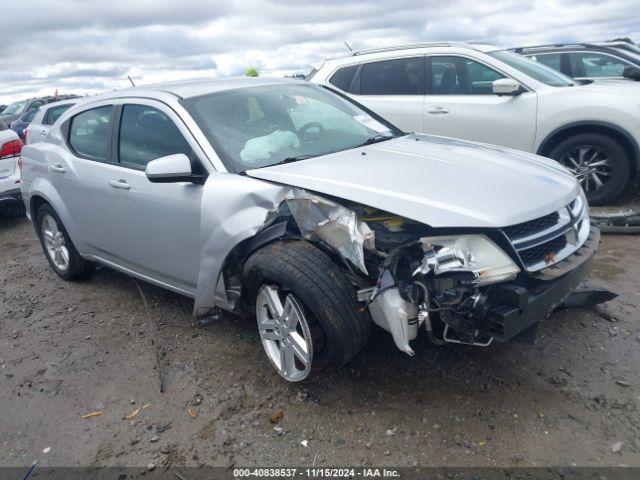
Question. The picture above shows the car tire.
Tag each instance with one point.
(308, 279)
(614, 175)
(70, 266)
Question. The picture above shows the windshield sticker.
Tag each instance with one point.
(371, 123)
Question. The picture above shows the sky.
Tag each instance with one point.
(90, 46)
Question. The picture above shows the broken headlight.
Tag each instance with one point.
(467, 253)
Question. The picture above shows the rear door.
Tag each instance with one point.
(394, 89)
(460, 103)
(80, 178)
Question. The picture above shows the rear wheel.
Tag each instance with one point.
(58, 248)
(306, 309)
(600, 164)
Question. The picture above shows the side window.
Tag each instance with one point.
(54, 114)
(404, 76)
(461, 76)
(552, 60)
(343, 77)
(89, 133)
(592, 64)
(146, 134)
(28, 117)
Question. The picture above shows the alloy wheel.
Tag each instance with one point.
(285, 332)
(55, 243)
(591, 166)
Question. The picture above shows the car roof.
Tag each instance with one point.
(417, 48)
(558, 47)
(57, 103)
(195, 88)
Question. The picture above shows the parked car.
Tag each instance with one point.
(17, 109)
(10, 168)
(587, 61)
(478, 92)
(20, 125)
(46, 116)
(287, 200)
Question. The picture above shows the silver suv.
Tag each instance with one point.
(288, 201)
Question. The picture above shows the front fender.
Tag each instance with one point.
(234, 208)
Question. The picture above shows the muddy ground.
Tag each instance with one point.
(69, 349)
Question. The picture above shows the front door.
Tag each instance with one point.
(158, 223)
(460, 103)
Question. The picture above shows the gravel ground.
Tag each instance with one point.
(69, 349)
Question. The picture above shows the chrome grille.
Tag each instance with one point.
(547, 240)
(532, 226)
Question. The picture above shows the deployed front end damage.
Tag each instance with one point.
(472, 286)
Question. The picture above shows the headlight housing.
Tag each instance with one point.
(468, 253)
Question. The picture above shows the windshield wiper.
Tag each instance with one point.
(295, 159)
(376, 139)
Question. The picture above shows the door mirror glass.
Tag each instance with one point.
(506, 86)
(169, 169)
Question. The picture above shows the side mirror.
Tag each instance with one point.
(506, 86)
(169, 169)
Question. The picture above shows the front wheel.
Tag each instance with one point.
(306, 309)
(599, 162)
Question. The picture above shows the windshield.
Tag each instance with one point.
(260, 126)
(16, 107)
(535, 70)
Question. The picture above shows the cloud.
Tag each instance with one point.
(89, 46)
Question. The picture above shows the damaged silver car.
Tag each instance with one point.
(290, 202)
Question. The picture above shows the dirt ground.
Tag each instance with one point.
(69, 349)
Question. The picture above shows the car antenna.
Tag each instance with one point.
(131, 80)
(350, 49)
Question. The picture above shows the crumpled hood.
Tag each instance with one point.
(441, 182)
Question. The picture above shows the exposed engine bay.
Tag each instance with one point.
(460, 286)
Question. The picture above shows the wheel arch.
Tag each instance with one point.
(43, 192)
(595, 126)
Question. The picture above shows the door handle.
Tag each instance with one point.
(43, 132)
(122, 184)
(57, 168)
(438, 110)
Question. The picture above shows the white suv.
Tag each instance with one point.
(10, 172)
(478, 92)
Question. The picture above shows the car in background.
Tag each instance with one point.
(588, 61)
(17, 109)
(44, 118)
(10, 172)
(485, 94)
(287, 202)
(20, 125)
